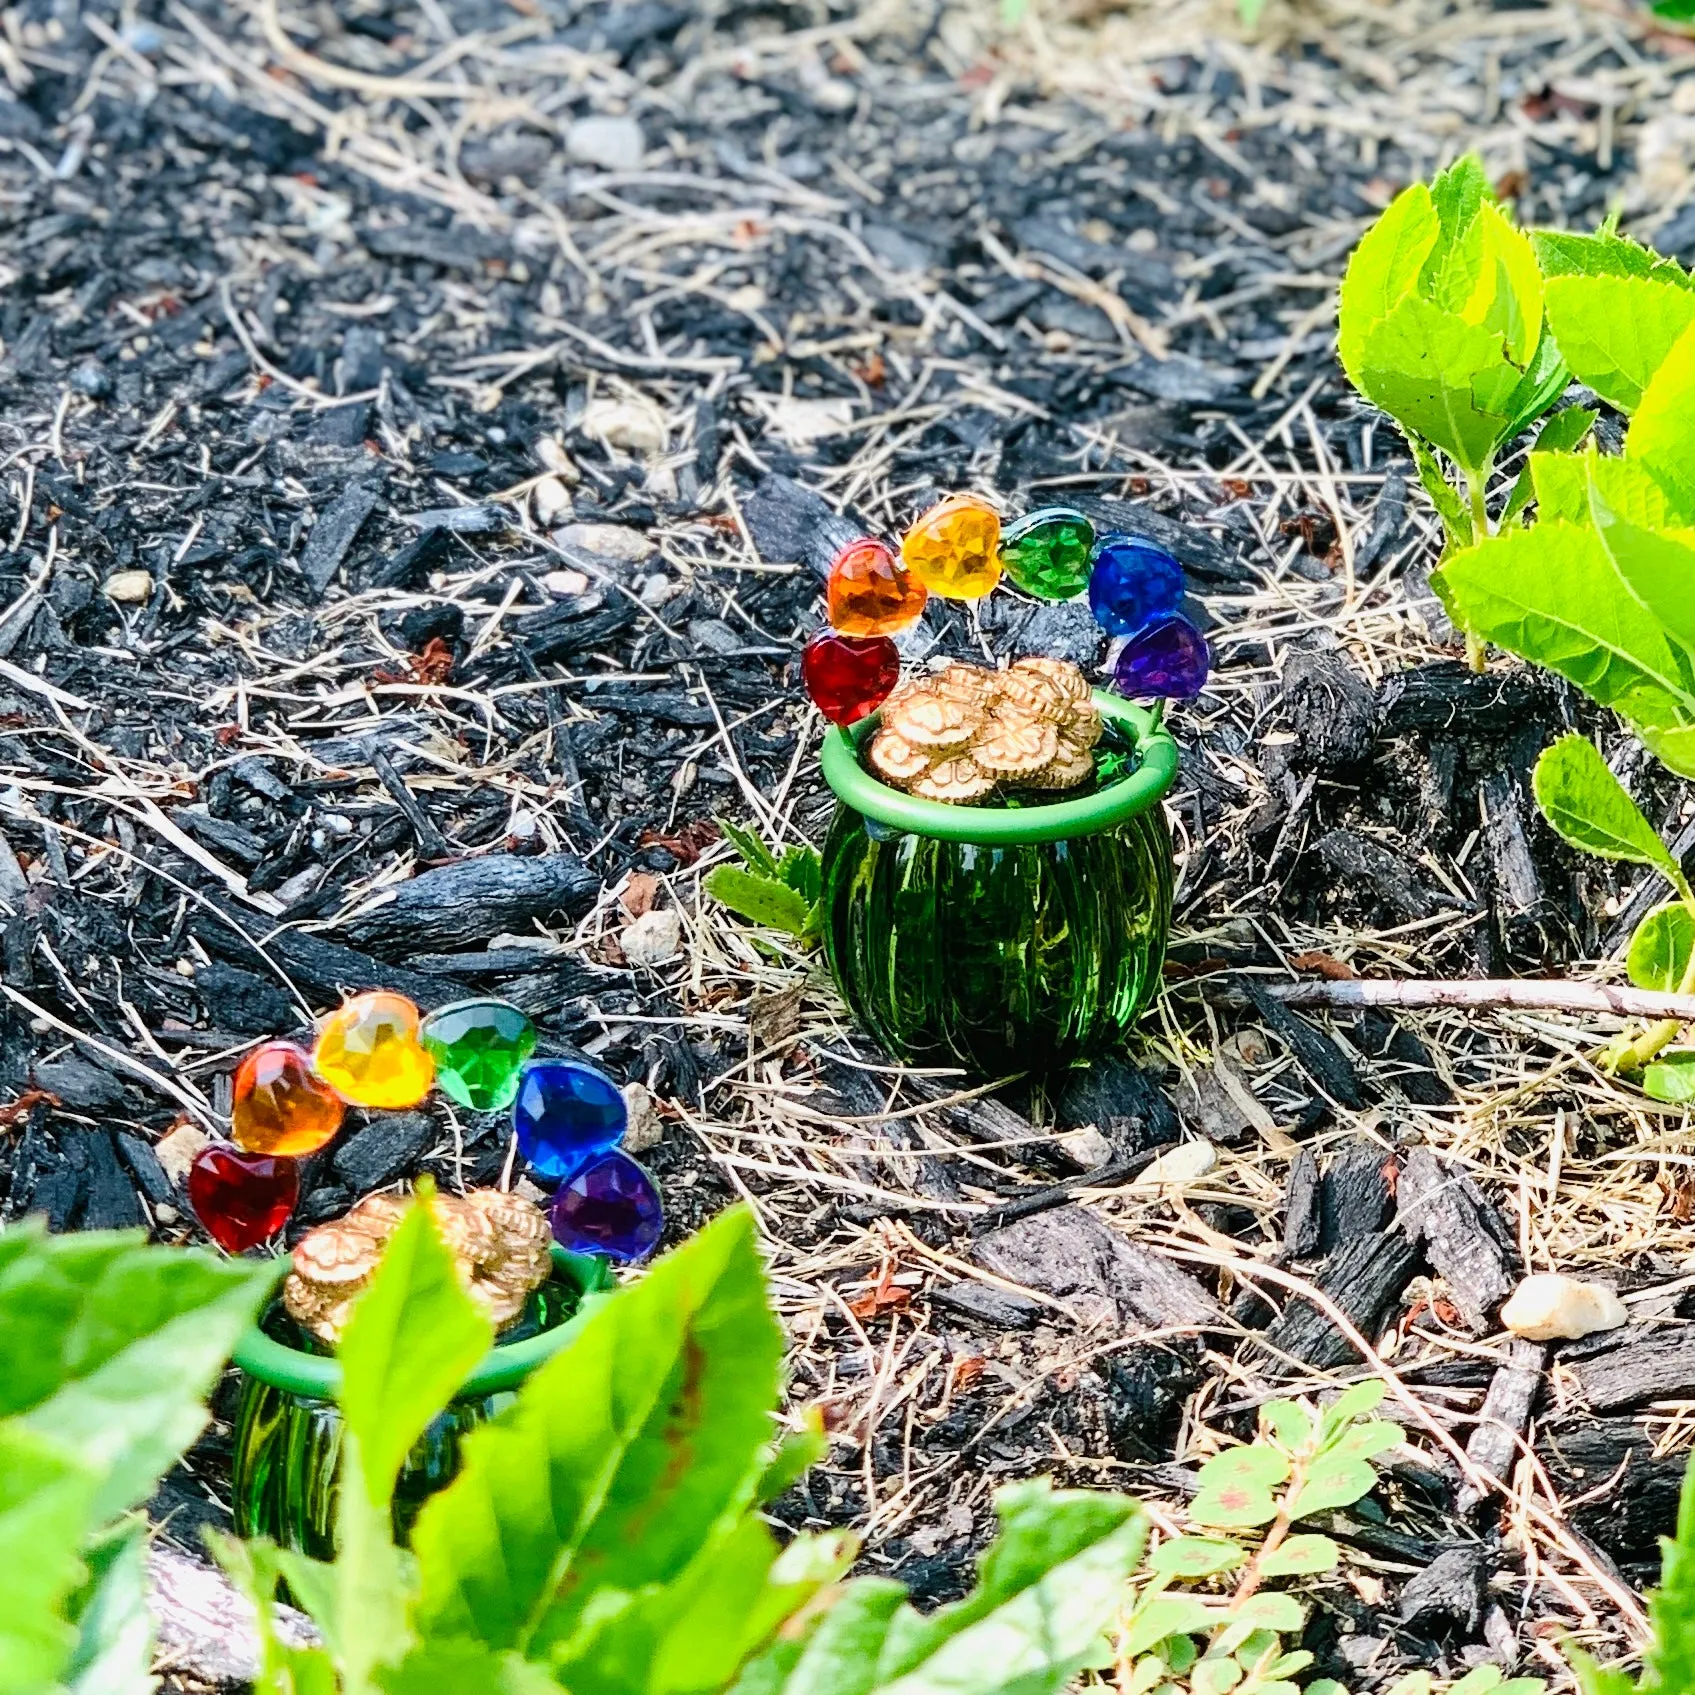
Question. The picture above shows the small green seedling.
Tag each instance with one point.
(780, 893)
(1302, 1464)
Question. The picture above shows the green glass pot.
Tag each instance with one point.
(1001, 939)
(288, 1427)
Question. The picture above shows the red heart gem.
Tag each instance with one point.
(242, 1199)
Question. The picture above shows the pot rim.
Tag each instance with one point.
(1055, 821)
(504, 1366)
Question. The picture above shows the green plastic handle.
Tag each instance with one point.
(504, 1366)
(1056, 821)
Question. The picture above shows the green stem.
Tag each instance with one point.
(1477, 490)
(1637, 1054)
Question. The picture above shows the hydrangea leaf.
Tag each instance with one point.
(1661, 948)
(1615, 332)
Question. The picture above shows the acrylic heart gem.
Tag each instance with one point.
(242, 1200)
(846, 677)
(610, 1207)
(566, 1114)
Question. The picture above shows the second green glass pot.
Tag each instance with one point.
(1000, 939)
(288, 1428)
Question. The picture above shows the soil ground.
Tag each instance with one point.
(289, 637)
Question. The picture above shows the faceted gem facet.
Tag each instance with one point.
(954, 549)
(1132, 581)
(241, 1199)
(870, 593)
(281, 1105)
(566, 1114)
(847, 677)
(1167, 657)
(1047, 553)
(479, 1048)
(610, 1207)
(368, 1052)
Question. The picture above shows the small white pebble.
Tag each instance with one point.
(551, 456)
(645, 1130)
(653, 938)
(1184, 1164)
(176, 1151)
(566, 584)
(133, 588)
(1085, 1148)
(1550, 1307)
(637, 426)
(552, 501)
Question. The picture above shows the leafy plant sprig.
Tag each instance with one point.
(1299, 1466)
(780, 892)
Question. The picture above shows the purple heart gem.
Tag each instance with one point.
(1168, 658)
(611, 1207)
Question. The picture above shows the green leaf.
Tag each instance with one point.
(1562, 253)
(1551, 595)
(1214, 1676)
(1326, 1686)
(1671, 1077)
(46, 1496)
(1161, 1616)
(1668, 1659)
(1450, 508)
(755, 854)
(1252, 1463)
(1300, 1556)
(1588, 807)
(1195, 1556)
(1286, 1665)
(1615, 332)
(1594, 1680)
(1270, 1610)
(1662, 432)
(1354, 1402)
(1543, 382)
(1233, 1505)
(1562, 434)
(114, 1647)
(802, 870)
(1564, 482)
(1658, 568)
(1661, 948)
(412, 1339)
(794, 1455)
(254, 1569)
(1288, 1424)
(1383, 270)
(111, 1347)
(1446, 379)
(1366, 1441)
(760, 900)
(449, 1668)
(1510, 299)
(618, 1461)
(1477, 1681)
(1047, 1588)
(1336, 1480)
(1414, 1683)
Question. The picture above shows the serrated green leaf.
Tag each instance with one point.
(1383, 270)
(1288, 1424)
(1300, 1556)
(1588, 807)
(1286, 1665)
(1543, 382)
(1180, 1652)
(1671, 1077)
(1195, 1556)
(1563, 253)
(254, 1568)
(838, 1656)
(1450, 508)
(1336, 1480)
(751, 846)
(46, 1500)
(1458, 194)
(619, 1460)
(1615, 332)
(1564, 480)
(111, 1347)
(760, 900)
(1354, 1402)
(1271, 1610)
(114, 1644)
(802, 870)
(1253, 1463)
(1661, 949)
(1509, 300)
(1448, 380)
(1551, 595)
(1166, 1615)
